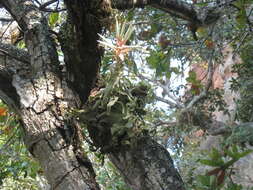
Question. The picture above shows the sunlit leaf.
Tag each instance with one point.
(53, 18)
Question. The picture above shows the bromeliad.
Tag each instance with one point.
(118, 46)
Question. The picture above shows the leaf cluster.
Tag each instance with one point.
(16, 165)
(114, 115)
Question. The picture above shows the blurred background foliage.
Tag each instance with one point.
(17, 168)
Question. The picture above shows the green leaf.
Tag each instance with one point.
(213, 163)
(234, 149)
(202, 4)
(235, 154)
(192, 78)
(215, 154)
(245, 153)
(155, 28)
(241, 18)
(229, 153)
(21, 44)
(160, 62)
(202, 32)
(111, 103)
(204, 180)
(130, 15)
(233, 186)
(175, 70)
(53, 18)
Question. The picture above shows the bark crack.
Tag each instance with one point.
(63, 177)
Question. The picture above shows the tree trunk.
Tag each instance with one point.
(43, 95)
(147, 166)
(43, 99)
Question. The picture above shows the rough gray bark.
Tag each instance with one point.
(147, 166)
(43, 99)
(143, 163)
(78, 39)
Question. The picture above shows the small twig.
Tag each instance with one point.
(183, 44)
(53, 10)
(172, 104)
(240, 43)
(6, 19)
(169, 124)
(220, 131)
(43, 6)
(39, 3)
(226, 3)
(15, 53)
(203, 94)
(165, 88)
(248, 20)
(57, 5)
(1, 37)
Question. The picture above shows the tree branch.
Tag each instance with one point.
(177, 8)
(203, 94)
(220, 131)
(12, 60)
(21, 11)
(6, 19)
(46, 6)
(48, 3)
(7, 92)
(146, 165)
(82, 53)
(37, 36)
(15, 53)
(244, 129)
(174, 103)
(170, 103)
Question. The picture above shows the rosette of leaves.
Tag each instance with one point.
(114, 114)
(123, 33)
